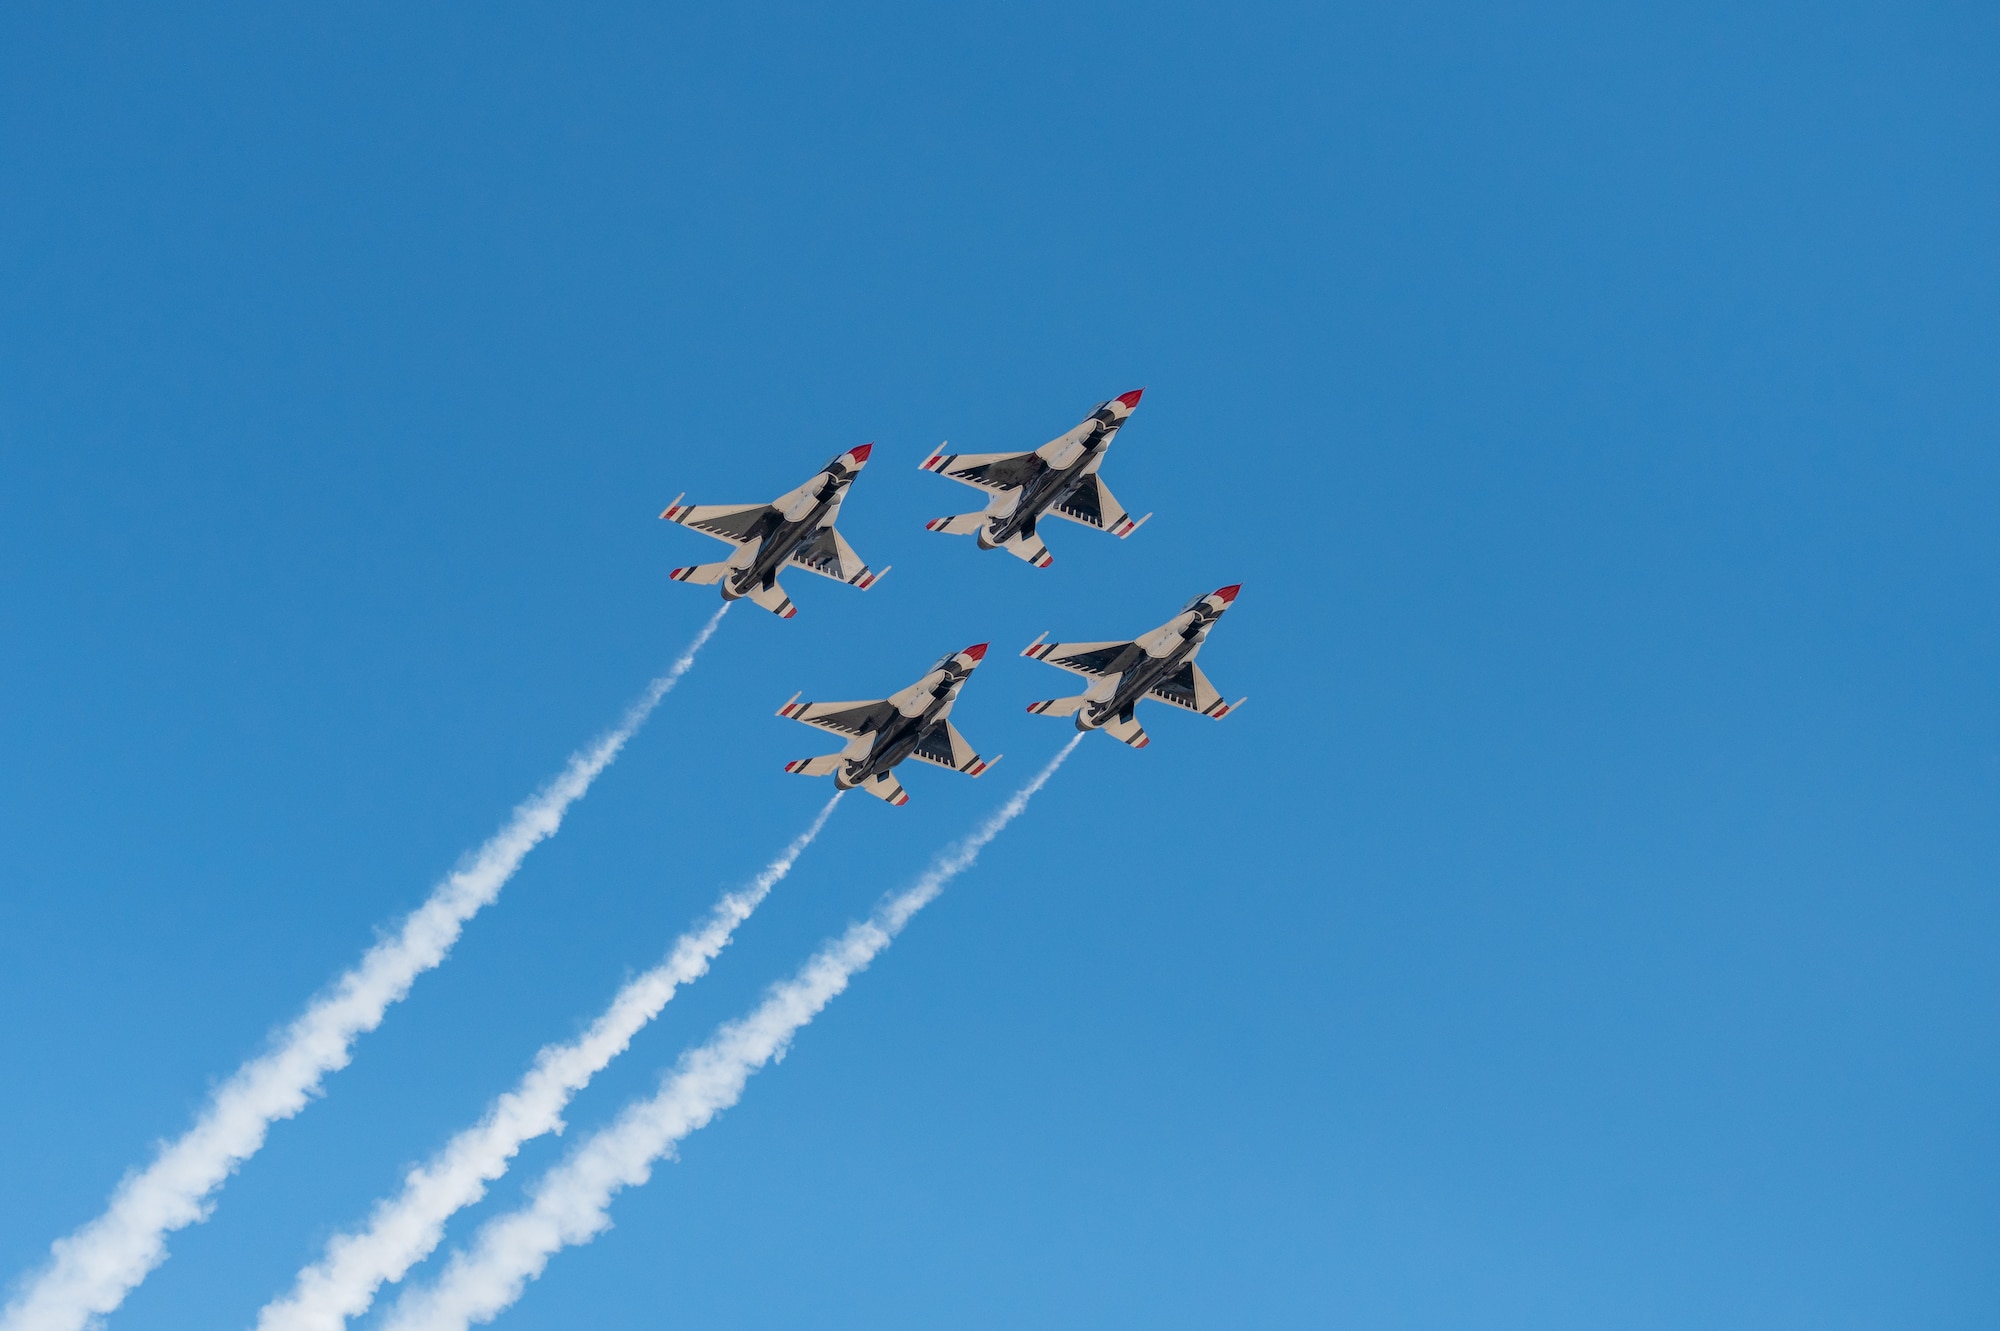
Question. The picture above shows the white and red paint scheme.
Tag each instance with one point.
(910, 723)
(1059, 479)
(794, 529)
(1158, 665)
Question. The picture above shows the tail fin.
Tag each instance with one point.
(773, 598)
(963, 525)
(1059, 706)
(1129, 730)
(701, 575)
(885, 787)
(825, 765)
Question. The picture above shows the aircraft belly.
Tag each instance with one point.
(1139, 681)
(1037, 498)
(777, 549)
(895, 745)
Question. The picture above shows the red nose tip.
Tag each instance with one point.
(1229, 593)
(861, 454)
(977, 651)
(1131, 399)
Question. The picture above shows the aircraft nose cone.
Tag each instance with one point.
(861, 454)
(1131, 399)
(1228, 593)
(977, 651)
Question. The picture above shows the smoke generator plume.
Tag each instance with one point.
(92, 1270)
(404, 1229)
(571, 1203)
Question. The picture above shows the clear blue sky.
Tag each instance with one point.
(1592, 919)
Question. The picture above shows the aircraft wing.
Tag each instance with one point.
(1189, 688)
(1085, 658)
(736, 523)
(842, 718)
(1092, 505)
(943, 746)
(998, 472)
(829, 555)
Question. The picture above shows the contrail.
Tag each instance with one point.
(92, 1270)
(571, 1204)
(403, 1230)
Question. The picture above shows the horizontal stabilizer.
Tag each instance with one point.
(886, 788)
(701, 575)
(773, 598)
(1030, 548)
(1222, 709)
(963, 525)
(1129, 731)
(1125, 526)
(1058, 706)
(825, 765)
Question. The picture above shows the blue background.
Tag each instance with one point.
(1590, 921)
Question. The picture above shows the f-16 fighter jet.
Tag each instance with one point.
(910, 723)
(1158, 665)
(795, 528)
(1059, 478)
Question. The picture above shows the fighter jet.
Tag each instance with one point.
(1059, 478)
(910, 723)
(1158, 665)
(795, 528)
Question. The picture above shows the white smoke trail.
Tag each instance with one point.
(404, 1229)
(92, 1270)
(571, 1204)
